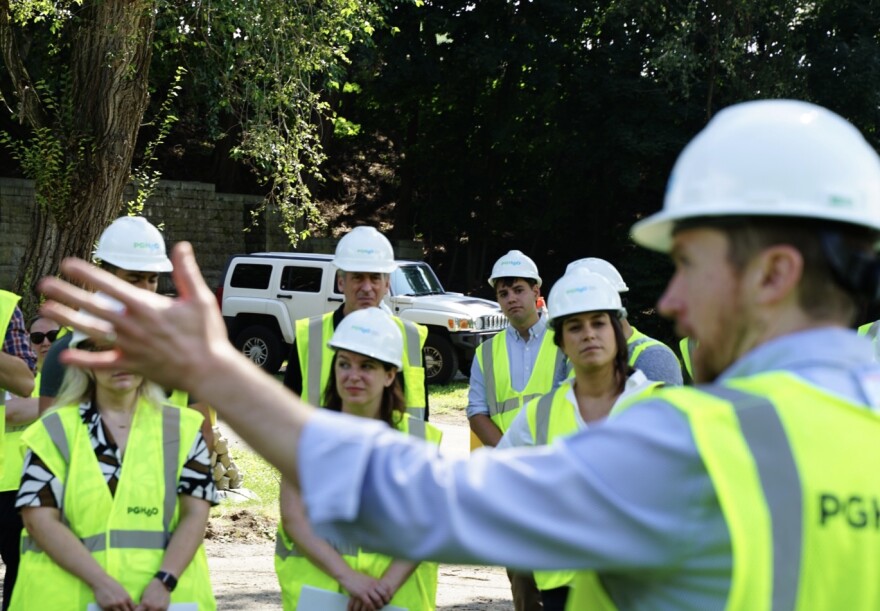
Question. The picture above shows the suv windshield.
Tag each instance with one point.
(415, 279)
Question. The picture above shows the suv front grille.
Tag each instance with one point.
(494, 322)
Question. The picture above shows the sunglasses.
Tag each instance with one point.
(37, 337)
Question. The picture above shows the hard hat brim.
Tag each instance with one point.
(655, 232)
(138, 265)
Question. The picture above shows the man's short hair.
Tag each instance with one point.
(822, 293)
(506, 281)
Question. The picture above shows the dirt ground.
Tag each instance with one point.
(240, 556)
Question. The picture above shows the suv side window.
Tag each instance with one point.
(251, 276)
(301, 279)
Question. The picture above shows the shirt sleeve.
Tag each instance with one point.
(39, 486)
(197, 478)
(518, 433)
(659, 363)
(17, 343)
(607, 490)
(477, 391)
(52, 373)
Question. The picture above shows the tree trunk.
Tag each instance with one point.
(111, 48)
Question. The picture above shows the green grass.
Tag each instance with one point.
(259, 477)
(448, 399)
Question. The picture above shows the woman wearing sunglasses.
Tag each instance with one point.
(115, 494)
(20, 412)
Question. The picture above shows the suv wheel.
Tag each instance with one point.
(261, 346)
(441, 362)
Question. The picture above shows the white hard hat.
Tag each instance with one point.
(370, 332)
(78, 336)
(514, 264)
(133, 243)
(603, 268)
(580, 290)
(770, 158)
(364, 249)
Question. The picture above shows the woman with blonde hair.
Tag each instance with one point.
(368, 355)
(115, 495)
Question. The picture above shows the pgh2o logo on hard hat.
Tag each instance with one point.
(151, 246)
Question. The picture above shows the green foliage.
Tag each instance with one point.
(144, 177)
(261, 70)
(51, 154)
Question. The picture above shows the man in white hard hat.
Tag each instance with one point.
(755, 490)
(650, 356)
(513, 367)
(519, 363)
(132, 249)
(364, 259)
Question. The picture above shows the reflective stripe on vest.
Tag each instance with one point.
(319, 330)
(283, 552)
(769, 445)
(639, 342)
(498, 407)
(415, 392)
(130, 539)
(316, 359)
(542, 418)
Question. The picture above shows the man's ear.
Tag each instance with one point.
(777, 272)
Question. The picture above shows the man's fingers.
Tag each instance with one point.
(187, 276)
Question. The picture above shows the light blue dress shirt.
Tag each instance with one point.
(522, 354)
(630, 498)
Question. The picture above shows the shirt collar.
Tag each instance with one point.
(803, 350)
(536, 331)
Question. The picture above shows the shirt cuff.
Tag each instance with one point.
(334, 453)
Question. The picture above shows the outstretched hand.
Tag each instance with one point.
(179, 343)
(170, 341)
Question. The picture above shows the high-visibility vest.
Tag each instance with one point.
(8, 302)
(504, 402)
(312, 335)
(13, 459)
(294, 569)
(686, 346)
(792, 467)
(126, 533)
(550, 417)
(637, 343)
(871, 330)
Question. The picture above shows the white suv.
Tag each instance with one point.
(263, 294)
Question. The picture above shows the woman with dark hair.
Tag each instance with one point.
(585, 312)
(368, 349)
(115, 495)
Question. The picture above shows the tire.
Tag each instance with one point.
(261, 346)
(441, 362)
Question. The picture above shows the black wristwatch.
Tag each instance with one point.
(166, 579)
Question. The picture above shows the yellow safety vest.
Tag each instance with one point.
(8, 302)
(312, 335)
(550, 417)
(686, 345)
(505, 402)
(637, 343)
(792, 466)
(13, 459)
(294, 570)
(126, 533)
